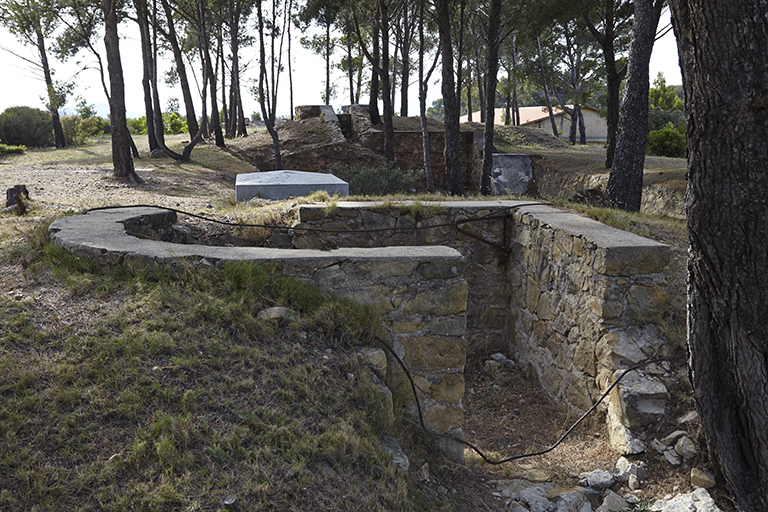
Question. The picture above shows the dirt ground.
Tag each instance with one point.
(506, 413)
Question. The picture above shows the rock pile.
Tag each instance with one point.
(598, 491)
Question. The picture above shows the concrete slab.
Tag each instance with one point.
(328, 113)
(511, 173)
(287, 184)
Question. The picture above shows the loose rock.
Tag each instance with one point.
(701, 478)
(695, 501)
(685, 448)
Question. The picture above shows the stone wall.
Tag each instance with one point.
(585, 298)
(420, 293)
(573, 302)
(393, 226)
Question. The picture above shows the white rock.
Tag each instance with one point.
(672, 438)
(658, 446)
(613, 503)
(600, 478)
(622, 439)
(633, 483)
(672, 457)
(624, 469)
(695, 501)
(685, 448)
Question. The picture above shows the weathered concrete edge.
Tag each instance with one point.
(618, 252)
(101, 234)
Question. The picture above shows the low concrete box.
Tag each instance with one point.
(287, 184)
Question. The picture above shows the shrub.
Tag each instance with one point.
(173, 124)
(669, 141)
(384, 179)
(78, 129)
(11, 149)
(26, 126)
(138, 126)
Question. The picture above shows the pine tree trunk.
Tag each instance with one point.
(625, 182)
(491, 70)
(725, 80)
(121, 138)
(58, 131)
(186, 91)
(453, 180)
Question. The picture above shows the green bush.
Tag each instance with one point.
(78, 129)
(11, 149)
(381, 180)
(669, 141)
(138, 126)
(172, 124)
(26, 126)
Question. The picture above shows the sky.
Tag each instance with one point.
(20, 86)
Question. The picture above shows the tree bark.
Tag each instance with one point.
(178, 57)
(204, 43)
(491, 70)
(121, 138)
(53, 102)
(547, 98)
(725, 79)
(453, 180)
(423, 85)
(613, 76)
(386, 84)
(142, 19)
(625, 182)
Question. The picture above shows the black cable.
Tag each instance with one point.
(524, 455)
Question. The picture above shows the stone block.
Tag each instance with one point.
(438, 300)
(450, 388)
(433, 353)
(440, 269)
(494, 318)
(441, 417)
(378, 296)
(375, 359)
(286, 184)
(584, 359)
(449, 326)
(406, 327)
(638, 399)
(644, 300)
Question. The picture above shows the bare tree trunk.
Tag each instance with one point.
(209, 71)
(491, 70)
(389, 111)
(727, 212)
(328, 63)
(547, 98)
(53, 102)
(405, 61)
(121, 138)
(423, 85)
(625, 182)
(373, 104)
(178, 56)
(453, 178)
(142, 19)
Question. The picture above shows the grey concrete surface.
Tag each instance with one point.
(287, 184)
